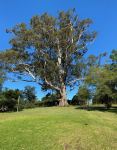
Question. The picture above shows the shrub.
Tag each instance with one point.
(29, 105)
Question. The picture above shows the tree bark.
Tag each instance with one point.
(63, 98)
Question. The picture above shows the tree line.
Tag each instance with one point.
(15, 100)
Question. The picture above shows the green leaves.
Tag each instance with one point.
(49, 49)
(104, 78)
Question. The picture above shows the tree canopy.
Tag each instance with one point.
(104, 79)
(49, 50)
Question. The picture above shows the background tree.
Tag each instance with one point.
(2, 77)
(113, 68)
(9, 100)
(113, 58)
(29, 94)
(84, 94)
(50, 51)
(104, 79)
(82, 97)
(75, 100)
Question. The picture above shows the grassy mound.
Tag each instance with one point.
(58, 129)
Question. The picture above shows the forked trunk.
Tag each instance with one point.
(63, 98)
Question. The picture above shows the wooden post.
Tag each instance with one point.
(18, 103)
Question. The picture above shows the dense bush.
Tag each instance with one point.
(29, 105)
(9, 101)
(82, 96)
(103, 98)
(50, 100)
(7, 104)
(77, 101)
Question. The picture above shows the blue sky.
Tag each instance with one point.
(102, 12)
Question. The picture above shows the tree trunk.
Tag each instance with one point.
(63, 98)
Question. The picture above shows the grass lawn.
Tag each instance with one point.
(57, 128)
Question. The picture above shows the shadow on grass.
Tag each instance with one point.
(113, 109)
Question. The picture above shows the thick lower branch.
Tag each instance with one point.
(51, 85)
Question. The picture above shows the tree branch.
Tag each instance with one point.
(30, 73)
(73, 81)
(51, 85)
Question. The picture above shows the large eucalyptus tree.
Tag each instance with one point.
(49, 50)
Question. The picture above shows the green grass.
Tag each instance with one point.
(58, 129)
